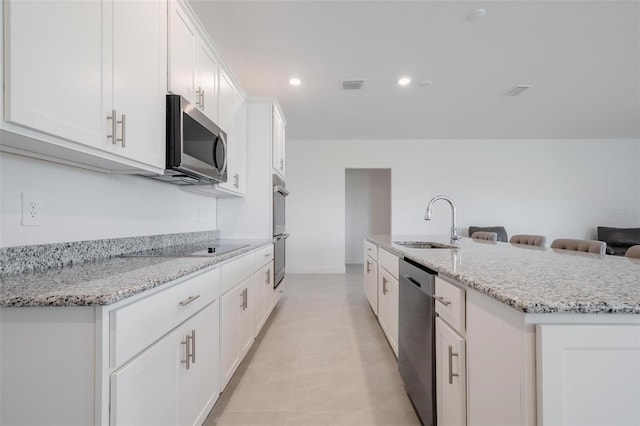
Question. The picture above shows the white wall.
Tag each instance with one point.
(79, 204)
(367, 208)
(558, 188)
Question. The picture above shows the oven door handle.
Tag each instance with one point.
(280, 189)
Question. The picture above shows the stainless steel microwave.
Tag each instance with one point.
(196, 146)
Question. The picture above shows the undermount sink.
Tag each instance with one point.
(424, 245)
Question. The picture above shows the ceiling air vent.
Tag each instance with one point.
(516, 90)
(352, 84)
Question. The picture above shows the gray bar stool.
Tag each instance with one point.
(586, 246)
(633, 251)
(529, 240)
(488, 236)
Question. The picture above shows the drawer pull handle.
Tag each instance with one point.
(451, 373)
(442, 300)
(185, 302)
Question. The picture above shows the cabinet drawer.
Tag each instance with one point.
(236, 271)
(370, 250)
(139, 324)
(388, 261)
(450, 304)
(263, 256)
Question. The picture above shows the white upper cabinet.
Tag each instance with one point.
(183, 44)
(278, 142)
(193, 67)
(139, 80)
(70, 65)
(53, 66)
(207, 82)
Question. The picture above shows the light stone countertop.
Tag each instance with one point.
(532, 279)
(105, 281)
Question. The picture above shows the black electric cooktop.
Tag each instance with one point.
(195, 250)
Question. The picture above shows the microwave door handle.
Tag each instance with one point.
(224, 147)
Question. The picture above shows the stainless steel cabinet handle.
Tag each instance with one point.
(368, 266)
(267, 277)
(188, 300)
(236, 180)
(199, 98)
(451, 373)
(187, 343)
(112, 117)
(123, 139)
(246, 298)
(281, 164)
(442, 300)
(202, 99)
(384, 286)
(193, 346)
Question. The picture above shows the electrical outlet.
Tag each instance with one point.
(31, 211)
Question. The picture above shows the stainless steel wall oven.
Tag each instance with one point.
(280, 194)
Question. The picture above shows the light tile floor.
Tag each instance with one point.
(321, 359)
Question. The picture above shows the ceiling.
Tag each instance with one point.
(582, 59)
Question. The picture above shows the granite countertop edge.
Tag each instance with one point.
(57, 287)
(493, 291)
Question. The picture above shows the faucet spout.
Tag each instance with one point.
(454, 227)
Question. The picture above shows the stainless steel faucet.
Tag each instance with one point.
(454, 229)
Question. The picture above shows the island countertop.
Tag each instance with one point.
(531, 279)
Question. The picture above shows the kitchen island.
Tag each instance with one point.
(549, 336)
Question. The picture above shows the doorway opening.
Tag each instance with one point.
(367, 209)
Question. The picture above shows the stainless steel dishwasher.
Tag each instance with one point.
(416, 338)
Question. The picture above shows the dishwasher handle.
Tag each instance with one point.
(411, 280)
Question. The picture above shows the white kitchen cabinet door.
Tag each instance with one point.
(229, 102)
(388, 301)
(371, 282)
(571, 358)
(278, 142)
(62, 95)
(237, 328)
(264, 295)
(236, 183)
(199, 383)
(139, 80)
(207, 82)
(451, 377)
(145, 391)
(183, 42)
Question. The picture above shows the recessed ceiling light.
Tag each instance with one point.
(404, 81)
(295, 82)
(476, 15)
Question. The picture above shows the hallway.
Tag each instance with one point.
(321, 359)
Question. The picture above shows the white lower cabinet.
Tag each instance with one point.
(388, 304)
(571, 357)
(451, 377)
(371, 282)
(237, 325)
(174, 381)
(264, 295)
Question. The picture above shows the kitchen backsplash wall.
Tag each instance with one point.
(77, 204)
(558, 188)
